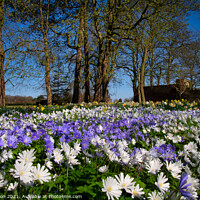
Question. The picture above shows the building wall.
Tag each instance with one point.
(171, 92)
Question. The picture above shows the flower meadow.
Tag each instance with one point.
(101, 151)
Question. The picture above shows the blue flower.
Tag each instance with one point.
(26, 140)
(183, 187)
(1, 143)
(35, 136)
(40, 132)
(12, 141)
(77, 134)
(46, 137)
(49, 146)
(84, 145)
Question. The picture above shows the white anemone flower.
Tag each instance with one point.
(3, 183)
(176, 139)
(174, 168)
(125, 157)
(2, 179)
(195, 183)
(57, 150)
(154, 166)
(12, 186)
(133, 141)
(41, 174)
(65, 147)
(49, 164)
(103, 169)
(122, 144)
(4, 156)
(138, 158)
(169, 136)
(112, 156)
(155, 196)
(112, 188)
(74, 152)
(10, 154)
(159, 142)
(125, 182)
(58, 157)
(175, 175)
(72, 160)
(23, 172)
(77, 147)
(161, 183)
(26, 156)
(136, 191)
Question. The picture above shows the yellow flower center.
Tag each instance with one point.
(21, 173)
(109, 189)
(135, 192)
(160, 184)
(124, 185)
(26, 159)
(38, 176)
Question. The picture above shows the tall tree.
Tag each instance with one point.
(77, 80)
(44, 27)
(189, 59)
(2, 56)
(86, 55)
(38, 16)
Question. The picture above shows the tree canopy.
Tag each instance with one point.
(84, 45)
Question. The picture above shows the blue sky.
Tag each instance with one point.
(117, 91)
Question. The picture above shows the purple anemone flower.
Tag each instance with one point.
(46, 137)
(11, 141)
(1, 142)
(40, 132)
(183, 187)
(35, 136)
(65, 138)
(77, 134)
(49, 146)
(26, 140)
(84, 145)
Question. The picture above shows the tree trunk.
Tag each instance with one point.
(144, 59)
(98, 73)
(151, 69)
(106, 66)
(86, 51)
(106, 63)
(139, 88)
(98, 76)
(134, 80)
(47, 71)
(77, 80)
(159, 76)
(168, 78)
(2, 56)
(44, 29)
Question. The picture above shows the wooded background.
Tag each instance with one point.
(76, 48)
